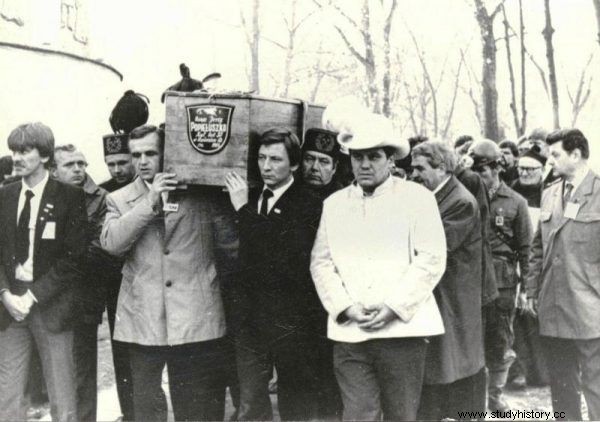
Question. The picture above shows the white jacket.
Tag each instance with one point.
(389, 247)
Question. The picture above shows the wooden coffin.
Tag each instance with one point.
(208, 136)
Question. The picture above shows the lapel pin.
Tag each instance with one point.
(276, 210)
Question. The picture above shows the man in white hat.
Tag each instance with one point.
(379, 252)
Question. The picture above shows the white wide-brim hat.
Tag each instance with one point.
(374, 131)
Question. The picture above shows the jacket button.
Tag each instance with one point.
(168, 283)
(167, 252)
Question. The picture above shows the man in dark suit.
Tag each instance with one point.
(70, 167)
(42, 244)
(563, 284)
(451, 369)
(279, 312)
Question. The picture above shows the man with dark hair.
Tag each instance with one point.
(379, 253)
(510, 240)
(562, 284)
(451, 369)
(279, 310)
(70, 167)
(320, 156)
(43, 241)
(169, 309)
(509, 152)
(118, 161)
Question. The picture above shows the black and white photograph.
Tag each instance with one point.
(299, 210)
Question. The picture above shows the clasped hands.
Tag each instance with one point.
(372, 317)
(17, 306)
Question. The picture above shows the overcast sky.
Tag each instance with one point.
(146, 41)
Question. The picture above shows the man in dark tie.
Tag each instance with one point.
(563, 284)
(42, 244)
(279, 311)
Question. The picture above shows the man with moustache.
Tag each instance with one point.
(320, 155)
(563, 284)
(170, 310)
(70, 167)
(451, 369)
(379, 253)
(279, 311)
(42, 242)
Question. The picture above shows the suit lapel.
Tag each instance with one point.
(13, 204)
(46, 212)
(281, 206)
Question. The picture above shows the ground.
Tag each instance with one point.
(108, 406)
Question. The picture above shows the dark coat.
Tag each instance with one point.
(474, 184)
(91, 293)
(276, 293)
(58, 262)
(458, 353)
(112, 185)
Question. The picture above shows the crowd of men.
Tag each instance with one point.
(394, 295)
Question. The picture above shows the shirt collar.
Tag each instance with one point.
(281, 189)
(578, 177)
(37, 189)
(441, 185)
(378, 190)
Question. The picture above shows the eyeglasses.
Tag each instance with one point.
(528, 169)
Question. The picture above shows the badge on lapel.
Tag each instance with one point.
(49, 232)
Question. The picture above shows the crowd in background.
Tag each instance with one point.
(373, 277)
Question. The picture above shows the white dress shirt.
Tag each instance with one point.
(276, 194)
(389, 248)
(24, 272)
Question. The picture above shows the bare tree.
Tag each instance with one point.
(489, 92)
(292, 24)
(252, 31)
(378, 94)
(523, 80)
(387, 67)
(582, 95)
(597, 7)
(511, 75)
(470, 92)
(547, 32)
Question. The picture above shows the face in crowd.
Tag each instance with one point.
(120, 167)
(423, 173)
(488, 174)
(530, 173)
(508, 159)
(317, 168)
(28, 162)
(274, 164)
(371, 167)
(70, 167)
(563, 163)
(146, 156)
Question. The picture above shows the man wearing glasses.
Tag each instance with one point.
(510, 239)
